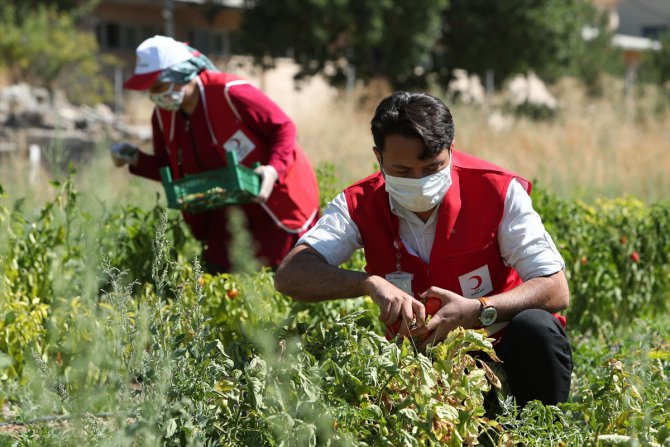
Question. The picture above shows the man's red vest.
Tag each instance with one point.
(465, 257)
(294, 202)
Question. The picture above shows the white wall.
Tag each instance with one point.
(634, 15)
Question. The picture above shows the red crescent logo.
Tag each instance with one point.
(478, 279)
(236, 142)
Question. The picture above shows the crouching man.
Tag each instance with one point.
(448, 234)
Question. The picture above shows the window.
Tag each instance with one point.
(111, 33)
(654, 31)
(130, 36)
(214, 43)
(116, 36)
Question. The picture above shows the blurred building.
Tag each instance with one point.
(121, 25)
(637, 25)
(637, 18)
(208, 25)
(643, 18)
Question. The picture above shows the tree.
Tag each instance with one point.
(25, 8)
(409, 42)
(597, 56)
(513, 36)
(656, 66)
(44, 47)
(392, 39)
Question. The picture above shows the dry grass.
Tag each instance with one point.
(99, 179)
(606, 147)
(595, 147)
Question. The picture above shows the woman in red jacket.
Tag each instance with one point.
(202, 113)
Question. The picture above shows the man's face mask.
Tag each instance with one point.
(419, 194)
(169, 100)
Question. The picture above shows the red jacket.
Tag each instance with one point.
(465, 257)
(233, 115)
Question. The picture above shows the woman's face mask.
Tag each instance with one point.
(419, 194)
(170, 99)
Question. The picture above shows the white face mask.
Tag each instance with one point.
(419, 194)
(169, 100)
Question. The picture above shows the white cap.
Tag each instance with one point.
(153, 56)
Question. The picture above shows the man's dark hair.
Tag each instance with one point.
(414, 115)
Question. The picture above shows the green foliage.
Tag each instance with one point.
(656, 66)
(597, 57)
(513, 37)
(164, 355)
(329, 186)
(45, 47)
(619, 394)
(162, 359)
(50, 256)
(376, 38)
(127, 235)
(241, 250)
(35, 252)
(616, 254)
(25, 7)
(413, 44)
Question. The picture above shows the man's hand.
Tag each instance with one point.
(268, 178)
(456, 311)
(124, 153)
(395, 306)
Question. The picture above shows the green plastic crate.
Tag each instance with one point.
(232, 185)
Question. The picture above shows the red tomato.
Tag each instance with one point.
(433, 305)
(635, 256)
(232, 293)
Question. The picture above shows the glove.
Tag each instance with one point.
(268, 178)
(124, 153)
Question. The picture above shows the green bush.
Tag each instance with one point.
(656, 65)
(108, 325)
(617, 255)
(44, 47)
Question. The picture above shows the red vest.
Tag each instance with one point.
(465, 237)
(465, 257)
(294, 202)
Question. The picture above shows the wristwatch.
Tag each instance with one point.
(488, 312)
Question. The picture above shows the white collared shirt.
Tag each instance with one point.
(523, 241)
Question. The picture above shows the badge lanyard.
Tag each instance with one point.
(400, 279)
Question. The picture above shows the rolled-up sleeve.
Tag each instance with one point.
(524, 243)
(335, 236)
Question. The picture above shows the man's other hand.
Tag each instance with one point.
(396, 308)
(456, 311)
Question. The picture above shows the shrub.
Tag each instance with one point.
(45, 48)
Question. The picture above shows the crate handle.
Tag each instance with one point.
(231, 158)
(166, 179)
(166, 175)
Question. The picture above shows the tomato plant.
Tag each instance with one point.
(138, 337)
(232, 293)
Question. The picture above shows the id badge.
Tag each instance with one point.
(240, 144)
(401, 280)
